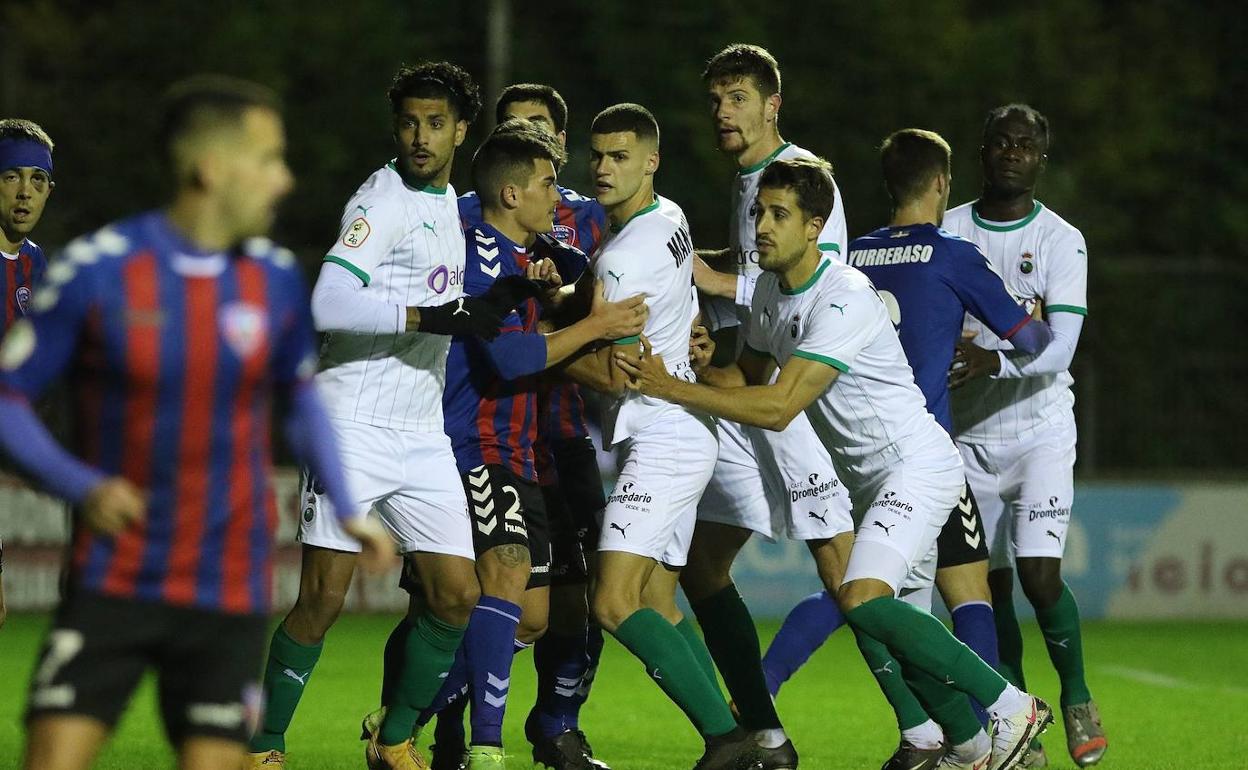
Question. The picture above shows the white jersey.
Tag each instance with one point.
(873, 417)
(1041, 257)
(649, 255)
(741, 244)
(406, 245)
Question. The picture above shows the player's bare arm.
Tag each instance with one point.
(772, 406)
(711, 281)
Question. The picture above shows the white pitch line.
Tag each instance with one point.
(1156, 679)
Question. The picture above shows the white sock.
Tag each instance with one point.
(926, 736)
(1011, 701)
(973, 749)
(771, 739)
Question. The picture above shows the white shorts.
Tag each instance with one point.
(653, 507)
(1025, 491)
(776, 483)
(902, 509)
(409, 479)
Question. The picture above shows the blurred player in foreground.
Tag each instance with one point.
(182, 326)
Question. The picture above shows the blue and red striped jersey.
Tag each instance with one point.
(491, 418)
(18, 275)
(175, 357)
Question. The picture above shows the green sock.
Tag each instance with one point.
(888, 674)
(950, 708)
(285, 675)
(732, 640)
(1060, 626)
(1009, 642)
(671, 663)
(689, 632)
(918, 639)
(427, 657)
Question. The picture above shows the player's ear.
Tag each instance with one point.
(652, 162)
(509, 196)
(461, 131)
(562, 136)
(814, 226)
(771, 108)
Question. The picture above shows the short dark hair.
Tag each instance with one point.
(436, 80)
(1026, 110)
(507, 154)
(17, 128)
(626, 117)
(208, 102)
(741, 60)
(809, 178)
(911, 158)
(533, 92)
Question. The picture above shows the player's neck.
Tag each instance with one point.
(200, 224)
(508, 226)
(759, 151)
(8, 245)
(919, 213)
(997, 206)
(802, 269)
(625, 209)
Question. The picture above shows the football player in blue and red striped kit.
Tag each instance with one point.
(180, 327)
(566, 656)
(492, 418)
(25, 184)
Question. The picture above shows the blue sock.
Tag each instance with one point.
(975, 626)
(807, 626)
(561, 663)
(454, 687)
(489, 646)
(594, 639)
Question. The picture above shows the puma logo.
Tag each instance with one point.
(1058, 642)
(885, 527)
(430, 228)
(616, 276)
(822, 519)
(1053, 535)
(622, 530)
(459, 308)
(363, 209)
(887, 668)
(835, 306)
(300, 679)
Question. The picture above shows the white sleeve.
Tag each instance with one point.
(1066, 275)
(745, 289)
(840, 325)
(340, 304)
(834, 238)
(372, 225)
(755, 335)
(1055, 358)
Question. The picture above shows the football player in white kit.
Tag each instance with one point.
(778, 484)
(382, 372)
(1013, 414)
(824, 328)
(669, 451)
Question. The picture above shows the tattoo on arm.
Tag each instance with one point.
(512, 555)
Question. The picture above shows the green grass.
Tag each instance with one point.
(1173, 695)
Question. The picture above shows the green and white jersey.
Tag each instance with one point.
(650, 255)
(1040, 256)
(406, 245)
(742, 246)
(874, 416)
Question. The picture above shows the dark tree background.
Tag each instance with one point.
(1145, 101)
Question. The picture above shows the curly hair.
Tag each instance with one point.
(436, 80)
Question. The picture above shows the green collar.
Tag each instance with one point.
(429, 188)
(762, 164)
(809, 281)
(986, 225)
(646, 210)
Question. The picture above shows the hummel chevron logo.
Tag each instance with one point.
(616, 276)
(430, 228)
(459, 308)
(822, 519)
(622, 530)
(300, 679)
(885, 527)
(491, 270)
(496, 683)
(964, 503)
(488, 240)
(887, 668)
(566, 686)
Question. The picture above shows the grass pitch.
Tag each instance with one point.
(1173, 695)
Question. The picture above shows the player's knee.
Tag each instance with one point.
(856, 593)
(1041, 580)
(532, 627)
(702, 579)
(453, 602)
(315, 611)
(612, 608)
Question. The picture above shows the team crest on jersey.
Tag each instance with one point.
(22, 295)
(244, 327)
(1027, 265)
(357, 232)
(795, 326)
(564, 234)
